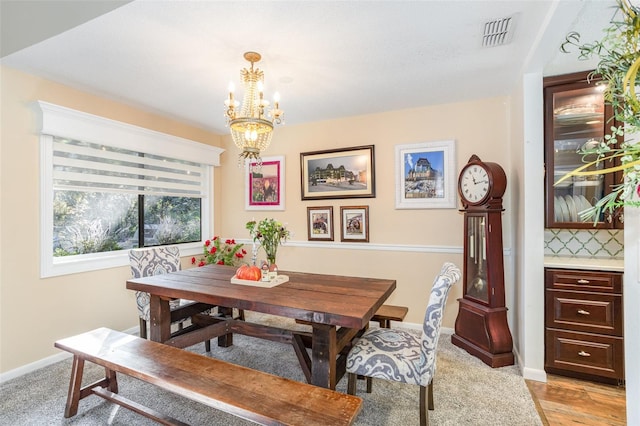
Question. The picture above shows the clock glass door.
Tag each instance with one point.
(476, 262)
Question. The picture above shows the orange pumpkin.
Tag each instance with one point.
(249, 272)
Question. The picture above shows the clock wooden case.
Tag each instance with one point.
(481, 326)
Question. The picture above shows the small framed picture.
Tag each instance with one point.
(354, 224)
(320, 223)
(426, 175)
(264, 189)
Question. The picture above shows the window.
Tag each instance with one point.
(108, 187)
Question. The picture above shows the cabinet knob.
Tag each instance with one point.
(609, 218)
(583, 353)
(583, 281)
(583, 312)
(621, 217)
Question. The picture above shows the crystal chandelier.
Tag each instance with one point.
(252, 125)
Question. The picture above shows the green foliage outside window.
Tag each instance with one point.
(94, 222)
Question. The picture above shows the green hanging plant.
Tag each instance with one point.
(618, 68)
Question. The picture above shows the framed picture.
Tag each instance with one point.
(338, 173)
(320, 223)
(426, 175)
(354, 224)
(264, 189)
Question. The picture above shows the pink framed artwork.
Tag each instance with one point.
(264, 189)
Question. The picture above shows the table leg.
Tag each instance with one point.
(324, 351)
(160, 319)
(225, 340)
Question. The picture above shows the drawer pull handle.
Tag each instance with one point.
(583, 312)
(581, 281)
(583, 353)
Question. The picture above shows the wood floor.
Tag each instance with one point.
(564, 401)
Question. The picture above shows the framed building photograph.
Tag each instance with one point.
(338, 173)
(354, 224)
(264, 189)
(320, 223)
(426, 175)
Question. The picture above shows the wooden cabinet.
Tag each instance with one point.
(584, 324)
(575, 117)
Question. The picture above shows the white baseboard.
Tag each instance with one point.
(534, 374)
(25, 369)
(45, 362)
(446, 330)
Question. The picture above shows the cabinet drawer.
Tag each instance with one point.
(586, 312)
(585, 353)
(579, 280)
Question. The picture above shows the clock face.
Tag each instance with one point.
(474, 183)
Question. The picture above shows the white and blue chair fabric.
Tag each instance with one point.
(403, 355)
(149, 262)
(156, 261)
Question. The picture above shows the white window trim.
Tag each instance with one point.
(69, 123)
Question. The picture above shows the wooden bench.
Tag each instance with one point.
(250, 394)
(387, 313)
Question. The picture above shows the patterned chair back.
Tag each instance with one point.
(148, 262)
(449, 275)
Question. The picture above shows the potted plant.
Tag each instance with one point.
(269, 233)
(220, 252)
(618, 66)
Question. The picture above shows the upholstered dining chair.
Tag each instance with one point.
(402, 355)
(155, 261)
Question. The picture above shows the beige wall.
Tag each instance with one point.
(478, 127)
(35, 312)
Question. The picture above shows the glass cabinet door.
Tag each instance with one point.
(576, 117)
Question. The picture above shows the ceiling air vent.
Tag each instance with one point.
(498, 32)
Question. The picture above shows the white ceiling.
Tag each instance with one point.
(327, 59)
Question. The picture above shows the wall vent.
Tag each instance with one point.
(498, 32)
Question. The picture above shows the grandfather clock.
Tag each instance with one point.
(481, 326)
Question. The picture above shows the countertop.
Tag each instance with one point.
(588, 263)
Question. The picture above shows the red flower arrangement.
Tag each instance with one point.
(221, 253)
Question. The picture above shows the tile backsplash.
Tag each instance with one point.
(607, 243)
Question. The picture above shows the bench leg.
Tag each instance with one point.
(73, 397)
(77, 392)
(112, 381)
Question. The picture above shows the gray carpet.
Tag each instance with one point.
(467, 392)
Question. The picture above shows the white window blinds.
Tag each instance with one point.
(84, 166)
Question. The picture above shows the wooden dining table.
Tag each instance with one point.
(337, 308)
